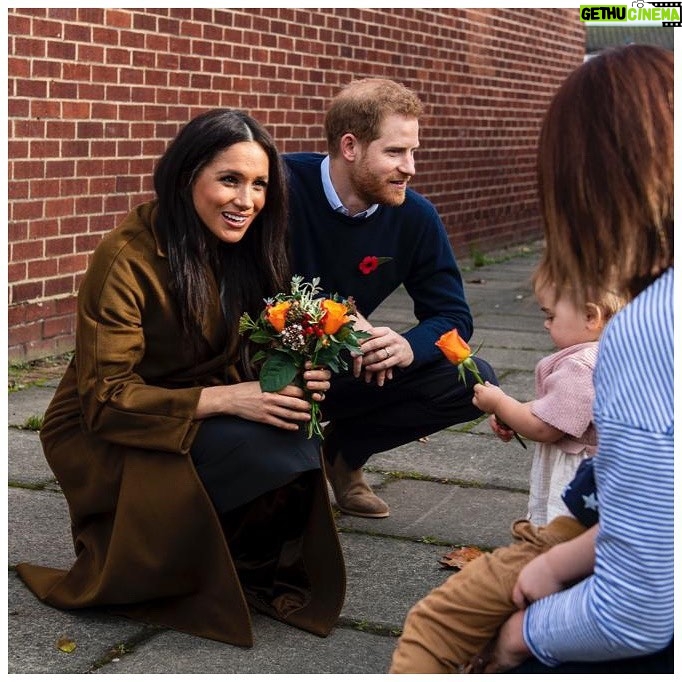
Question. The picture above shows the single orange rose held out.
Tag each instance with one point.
(459, 353)
(454, 347)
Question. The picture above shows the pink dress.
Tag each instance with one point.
(565, 394)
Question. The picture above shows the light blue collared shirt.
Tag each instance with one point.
(333, 197)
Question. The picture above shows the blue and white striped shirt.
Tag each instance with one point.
(625, 608)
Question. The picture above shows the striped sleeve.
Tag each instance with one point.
(625, 608)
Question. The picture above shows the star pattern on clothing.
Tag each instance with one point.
(580, 495)
(590, 501)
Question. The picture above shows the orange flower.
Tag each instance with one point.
(454, 347)
(336, 315)
(277, 314)
(458, 352)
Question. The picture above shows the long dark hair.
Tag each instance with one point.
(251, 270)
(605, 171)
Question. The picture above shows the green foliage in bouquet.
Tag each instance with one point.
(299, 326)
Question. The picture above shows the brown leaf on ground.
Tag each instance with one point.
(458, 557)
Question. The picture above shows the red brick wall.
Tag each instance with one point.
(96, 94)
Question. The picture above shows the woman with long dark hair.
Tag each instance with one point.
(192, 493)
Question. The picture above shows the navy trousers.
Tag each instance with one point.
(366, 418)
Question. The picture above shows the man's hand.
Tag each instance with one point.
(383, 351)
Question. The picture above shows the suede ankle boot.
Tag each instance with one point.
(353, 494)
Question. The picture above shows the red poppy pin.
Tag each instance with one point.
(370, 263)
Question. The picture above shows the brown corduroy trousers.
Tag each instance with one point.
(454, 622)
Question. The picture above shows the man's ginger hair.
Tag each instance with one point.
(361, 107)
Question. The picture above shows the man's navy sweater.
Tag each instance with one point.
(331, 246)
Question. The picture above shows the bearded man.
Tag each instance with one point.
(356, 225)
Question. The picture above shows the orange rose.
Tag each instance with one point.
(454, 347)
(336, 315)
(277, 314)
(457, 351)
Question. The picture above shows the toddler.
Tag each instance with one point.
(445, 631)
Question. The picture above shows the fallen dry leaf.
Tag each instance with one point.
(66, 645)
(458, 557)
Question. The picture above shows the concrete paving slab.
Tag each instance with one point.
(499, 320)
(34, 630)
(510, 338)
(445, 513)
(386, 576)
(28, 402)
(39, 528)
(510, 358)
(487, 284)
(508, 276)
(519, 383)
(494, 280)
(461, 457)
(26, 462)
(278, 649)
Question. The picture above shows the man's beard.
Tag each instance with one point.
(373, 190)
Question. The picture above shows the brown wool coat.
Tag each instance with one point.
(117, 435)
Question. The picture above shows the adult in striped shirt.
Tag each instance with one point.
(606, 181)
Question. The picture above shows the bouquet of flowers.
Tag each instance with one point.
(301, 326)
